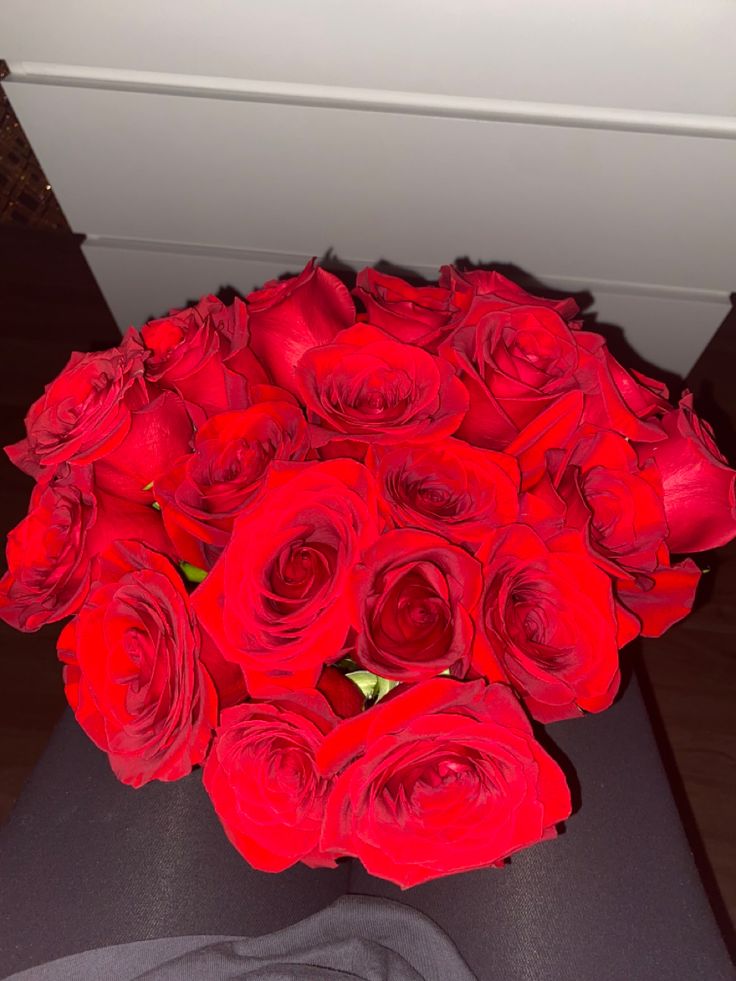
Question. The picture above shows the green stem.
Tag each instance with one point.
(192, 572)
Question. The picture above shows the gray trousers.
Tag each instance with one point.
(86, 862)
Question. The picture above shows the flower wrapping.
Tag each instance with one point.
(347, 558)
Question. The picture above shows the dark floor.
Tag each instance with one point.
(50, 304)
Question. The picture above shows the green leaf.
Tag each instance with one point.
(192, 573)
(366, 681)
(371, 685)
(384, 687)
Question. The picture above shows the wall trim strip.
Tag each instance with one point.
(296, 260)
(376, 100)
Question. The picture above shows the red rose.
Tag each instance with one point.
(416, 596)
(371, 387)
(628, 403)
(279, 601)
(50, 551)
(622, 499)
(231, 323)
(86, 411)
(228, 678)
(447, 486)
(698, 484)
(616, 501)
(201, 496)
(661, 597)
(480, 291)
(548, 618)
(444, 777)
(645, 397)
(287, 317)
(518, 361)
(192, 353)
(344, 696)
(554, 429)
(515, 363)
(159, 434)
(420, 315)
(263, 780)
(133, 675)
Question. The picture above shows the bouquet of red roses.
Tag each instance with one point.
(339, 557)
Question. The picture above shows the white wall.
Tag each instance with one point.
(663, 54)
(204, 144)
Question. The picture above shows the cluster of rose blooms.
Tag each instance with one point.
(339, 556)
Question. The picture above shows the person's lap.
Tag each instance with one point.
(86, 862)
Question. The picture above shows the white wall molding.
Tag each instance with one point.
(295, 260)
(144, 280)
(377, 100)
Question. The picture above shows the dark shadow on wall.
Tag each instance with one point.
(615, 335)
(707, 400)
(709, 405)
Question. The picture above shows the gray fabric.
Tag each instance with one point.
(357, 937)
(87, 863)
(119, 963)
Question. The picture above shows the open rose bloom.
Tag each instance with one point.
(347, 552)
